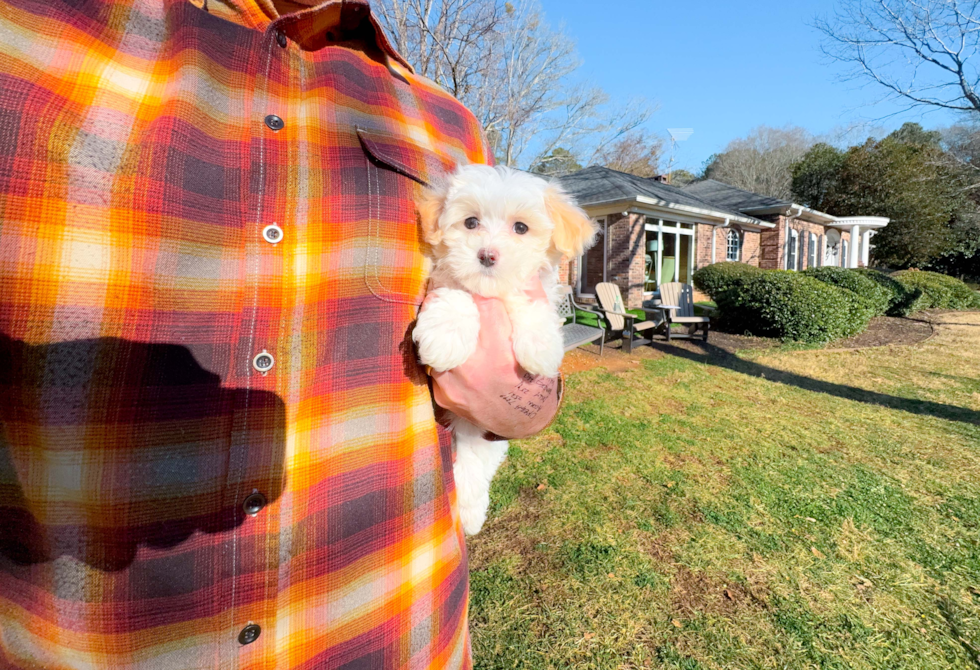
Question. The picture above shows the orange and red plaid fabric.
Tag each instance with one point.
(217, 450)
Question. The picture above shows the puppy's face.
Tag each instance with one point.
(492, 228)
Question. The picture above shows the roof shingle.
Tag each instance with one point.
(723, 195)
(597, 184)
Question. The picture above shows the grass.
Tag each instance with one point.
(697, 513)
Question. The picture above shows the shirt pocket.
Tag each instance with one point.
(398, 169)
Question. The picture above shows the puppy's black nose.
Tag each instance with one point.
(487, 257)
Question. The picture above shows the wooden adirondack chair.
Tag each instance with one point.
(682, 295)
(576, 334)
(611, 304)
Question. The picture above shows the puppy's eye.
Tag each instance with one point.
(471, 223)
(520, 228)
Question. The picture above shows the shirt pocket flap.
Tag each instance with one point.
(404, 156)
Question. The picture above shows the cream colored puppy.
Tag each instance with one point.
(491, 229)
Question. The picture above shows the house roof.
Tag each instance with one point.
(734, 198)
(596, 185)
(752, 204)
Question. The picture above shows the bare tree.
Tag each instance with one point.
(514, 72)
(921, 51)
(763, 161)
(636, 152)
(448, 41)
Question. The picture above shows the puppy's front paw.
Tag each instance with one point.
(447, 329)
(539, 351)
(472, 517)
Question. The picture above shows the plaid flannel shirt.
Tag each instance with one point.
(217, 449)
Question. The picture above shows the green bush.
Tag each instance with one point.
(792, 306)
(717, 278)
(939, 291)
(877, 295)
(903, 301)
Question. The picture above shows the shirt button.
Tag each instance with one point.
(272, 234)
(263, 361)
(274, 122)
(249, 634)
(281, 38)
(254, 503)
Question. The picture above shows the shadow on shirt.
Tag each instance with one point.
(108, 444)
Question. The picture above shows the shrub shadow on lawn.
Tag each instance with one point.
(713, 355)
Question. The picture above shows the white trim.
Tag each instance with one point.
(793, 247)
(738, 245)
(681, 213)
(677, 254)
(802, 212)
(854, 248)
(658, 260)
(649, 227)
(862, 221)
(691, 247)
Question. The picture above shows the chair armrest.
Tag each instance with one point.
(585, 309)
(625, 315)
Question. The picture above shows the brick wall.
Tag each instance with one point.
(702, 250)
(774, 243)
(752, 247)
(565, 272)
(626, 256)
(751, 241)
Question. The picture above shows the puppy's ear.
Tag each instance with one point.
(574, 231)
(430, 207)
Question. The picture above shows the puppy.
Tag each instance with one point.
(490, 230)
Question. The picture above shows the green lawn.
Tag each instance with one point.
(791, 509)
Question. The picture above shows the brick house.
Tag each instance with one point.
(651, 232)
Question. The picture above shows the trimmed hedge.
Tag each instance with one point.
(792, 306)
(903, 300)
(877, 295)
(939, 291)
(717, 278)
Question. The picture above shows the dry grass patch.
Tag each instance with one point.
(783, 509)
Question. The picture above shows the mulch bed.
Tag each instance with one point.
(882, 331)
(885, 330)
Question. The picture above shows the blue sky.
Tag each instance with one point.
(722, 67)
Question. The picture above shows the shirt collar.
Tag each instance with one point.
(311, 27)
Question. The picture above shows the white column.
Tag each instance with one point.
(677, 252)
(853, 249)
(714, 229)
(659, 258)
(691, 255)
(866, 246)
(786, 246)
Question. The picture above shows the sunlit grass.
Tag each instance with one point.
(688, 515)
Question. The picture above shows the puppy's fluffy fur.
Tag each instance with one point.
(490, 230)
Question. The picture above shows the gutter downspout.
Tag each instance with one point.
(789, 218)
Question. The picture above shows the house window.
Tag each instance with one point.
(843, 253)
(811, 252)
(793, 252)
(734, 252)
